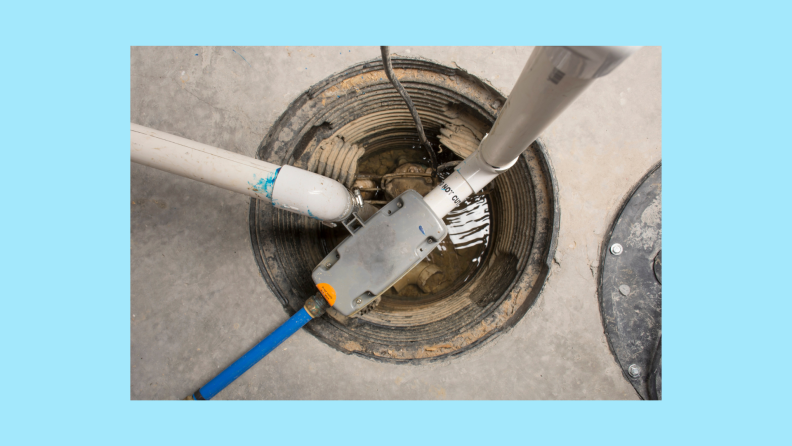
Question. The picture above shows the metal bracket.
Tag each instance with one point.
(357, 198)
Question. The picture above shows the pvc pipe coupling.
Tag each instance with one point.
(470, 176)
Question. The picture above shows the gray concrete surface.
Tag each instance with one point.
(198, 301)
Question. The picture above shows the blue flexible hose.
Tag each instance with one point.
(255, 355)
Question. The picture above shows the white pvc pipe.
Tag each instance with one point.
(552, 79)
(202, 162)
(286, 187)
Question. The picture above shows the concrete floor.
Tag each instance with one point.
(198, 301)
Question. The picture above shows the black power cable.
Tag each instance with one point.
(392, 78)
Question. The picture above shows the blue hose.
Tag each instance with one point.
(255, 355)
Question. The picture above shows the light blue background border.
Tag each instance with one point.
(65, 239)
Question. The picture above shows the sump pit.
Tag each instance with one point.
(344, 127)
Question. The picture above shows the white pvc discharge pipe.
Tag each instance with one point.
(286, 187)
(552, 79)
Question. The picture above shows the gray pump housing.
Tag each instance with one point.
(378, 252)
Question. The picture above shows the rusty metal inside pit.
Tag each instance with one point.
(336, 128)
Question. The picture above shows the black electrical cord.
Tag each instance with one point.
(392, 78)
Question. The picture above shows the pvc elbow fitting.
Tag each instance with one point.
(311, 194)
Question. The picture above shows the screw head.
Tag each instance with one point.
(358, 301)
(399, 204)
(328, 264)
(616, 249)
(624, 289)
(634, 370)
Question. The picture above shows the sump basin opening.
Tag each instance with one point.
(356, 116)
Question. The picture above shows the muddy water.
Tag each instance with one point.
(460, 254)
(456, 258)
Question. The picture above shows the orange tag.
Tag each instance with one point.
(328, 292)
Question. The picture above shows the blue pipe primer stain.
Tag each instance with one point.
(421, 228)
(270, 183)
(266, 184)
(312, 215)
